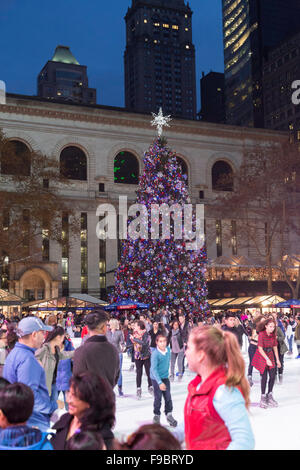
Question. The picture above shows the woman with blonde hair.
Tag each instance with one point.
(115, 336)
(216, 416)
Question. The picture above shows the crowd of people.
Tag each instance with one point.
(38, 361)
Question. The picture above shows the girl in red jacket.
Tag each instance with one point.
(216, 416)
(265, 360)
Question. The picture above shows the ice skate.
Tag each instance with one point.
(121, 394)
(172, 422)
(139, 393)
(171, 378)
(263, 402)
(271, 402)
(156, 419)
(250, 380)
(150, 390)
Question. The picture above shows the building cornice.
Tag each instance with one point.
(124, 118)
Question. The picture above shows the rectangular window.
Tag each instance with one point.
(219, 237)
(233, 237)
(84, 253)
(65, 254)
(102, 267)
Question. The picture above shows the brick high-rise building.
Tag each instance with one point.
(160, 58)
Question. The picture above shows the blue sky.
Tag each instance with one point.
(95, 31)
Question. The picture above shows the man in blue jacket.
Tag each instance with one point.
(159, 373)
(22, 366)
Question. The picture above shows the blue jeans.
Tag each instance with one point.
(120, 376)
(158, 394)
(54, 397)
(290, 341)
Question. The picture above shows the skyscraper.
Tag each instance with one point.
(63, 78)
(160, 58)
(250, 29)
(212, 98)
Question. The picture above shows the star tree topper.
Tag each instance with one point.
(160, 121)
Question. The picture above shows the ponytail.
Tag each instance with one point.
(222, 349)
(236, 366)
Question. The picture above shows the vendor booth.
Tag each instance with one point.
(262, 304)
(77, 304)
(10, 304)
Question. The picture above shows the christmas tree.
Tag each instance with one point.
(157, 267)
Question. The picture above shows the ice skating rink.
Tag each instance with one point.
(274, 428)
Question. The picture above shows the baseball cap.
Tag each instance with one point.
(30, 324)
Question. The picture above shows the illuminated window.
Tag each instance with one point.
(126, 168)
(187, 46)
(145, 21)
(175, 26)
(219, 237)
(157, 25)
(166, 25)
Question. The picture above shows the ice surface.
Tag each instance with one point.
(274, 428)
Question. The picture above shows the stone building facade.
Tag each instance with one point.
(101, 134)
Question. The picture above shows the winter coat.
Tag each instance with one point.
(267, 342)
(64, 370)
(117, 339)
(178, 336)
(22, 366)
(297, 334)
(282, 347)
(59, 440)
(142, 347)
(48, 361)
(204, 428)
(99, 356)
(23, 438)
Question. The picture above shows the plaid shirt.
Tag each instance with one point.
(266, 342)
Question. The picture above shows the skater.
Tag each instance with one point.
(21, 365)
(175, 339)
(91, 408)
(49, 356)
(230, 325)
(16, 405)
(142, 355)
(159, 373)
(253, 346)
(264, 360)
(116, 337)
(215, 412)
(97, 355)
(282, 349)
(297, 336)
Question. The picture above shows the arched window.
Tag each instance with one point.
(126, 168)
(184, 168)
(73, 163)
(222, 176)
(15, 159)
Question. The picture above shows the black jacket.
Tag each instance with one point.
(62, 426)
(99, 356)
